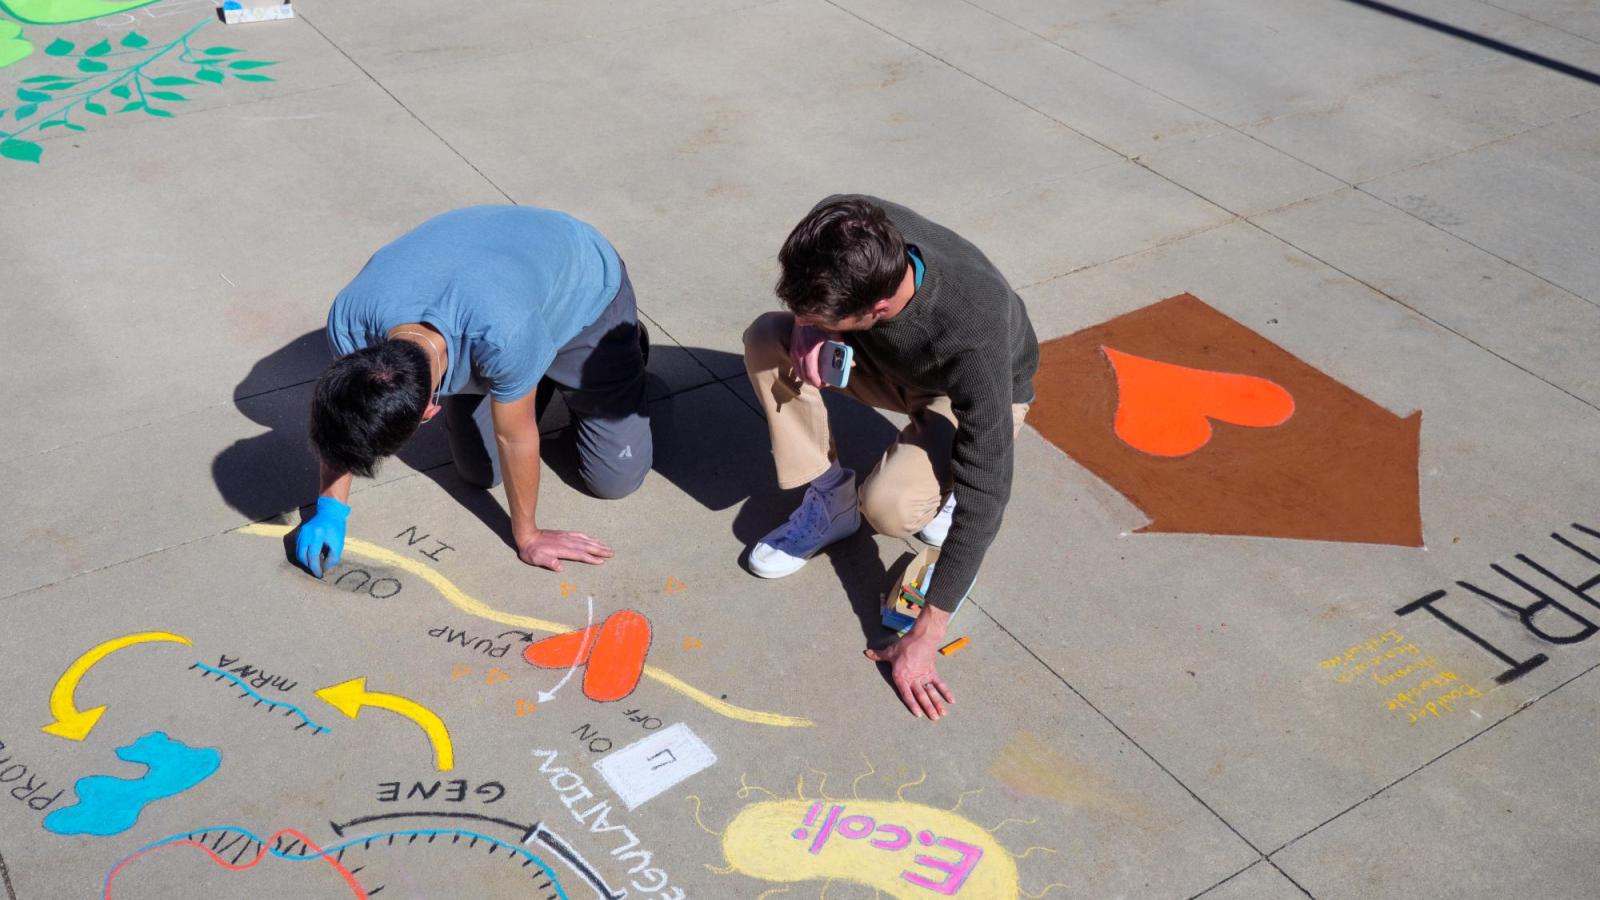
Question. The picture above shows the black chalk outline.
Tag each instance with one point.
(529, 833)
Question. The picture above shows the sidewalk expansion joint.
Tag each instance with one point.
(5, 880)
(401, 103)
(1246, 134)
(1415, 311)
(1262, 861)
(1120, 730)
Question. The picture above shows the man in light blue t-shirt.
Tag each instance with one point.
(481, 313)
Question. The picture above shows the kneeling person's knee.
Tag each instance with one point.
(768, 337)
(618, 477)
(890, 513)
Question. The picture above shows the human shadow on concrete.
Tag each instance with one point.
(715, 448)
(711, 443)
(269, 475)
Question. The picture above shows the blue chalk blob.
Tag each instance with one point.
(109, 805)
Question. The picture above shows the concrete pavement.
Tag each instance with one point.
(1400, 197)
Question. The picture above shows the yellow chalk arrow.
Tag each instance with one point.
(69, 722)
(349, 696)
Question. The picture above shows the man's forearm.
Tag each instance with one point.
(519, 467)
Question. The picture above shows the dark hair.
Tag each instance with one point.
(840, 260)
(369, 403)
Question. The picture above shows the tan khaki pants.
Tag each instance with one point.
(907, 487)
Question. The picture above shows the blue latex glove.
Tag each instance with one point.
(323, 530)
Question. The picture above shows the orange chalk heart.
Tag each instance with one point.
(1166, 410)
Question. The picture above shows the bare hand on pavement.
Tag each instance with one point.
(911, 664)
(548, 548)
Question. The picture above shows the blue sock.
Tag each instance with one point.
(834, 477)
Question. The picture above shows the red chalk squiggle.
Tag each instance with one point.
(356, 890)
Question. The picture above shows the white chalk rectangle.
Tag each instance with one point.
(654, 763)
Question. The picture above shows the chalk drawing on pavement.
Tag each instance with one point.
(472, 606)
(640, 771)
(1167, 410)
(612, 655)
(351, 697)
(65, 12)
(238, 849)
(67, 721)
(136, 75)
(109, 805)
(249, 693)
(1210, 428)
(526, 835)
(904, 849)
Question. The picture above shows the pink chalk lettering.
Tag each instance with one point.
(955, 872)
(900, 841)
(827, 826)
(811, 819)
(856, 827)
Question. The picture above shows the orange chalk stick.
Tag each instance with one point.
(953, 646)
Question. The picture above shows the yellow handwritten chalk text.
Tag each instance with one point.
(774, 840)
(1350, 669)
(472, 606)
(1431, 662)
(1390, 658)
(1361, 649)
(1439, 704)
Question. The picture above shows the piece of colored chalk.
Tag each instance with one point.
(953, 646)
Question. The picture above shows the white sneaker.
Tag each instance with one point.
(934, 533)
(824, 517)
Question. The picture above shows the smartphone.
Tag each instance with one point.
(834, 363)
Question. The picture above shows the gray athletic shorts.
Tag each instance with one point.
(601, 375)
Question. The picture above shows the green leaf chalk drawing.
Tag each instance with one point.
(65, 12)
(13, 46)
(122, 71)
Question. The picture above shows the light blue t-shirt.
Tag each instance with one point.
(507, 286)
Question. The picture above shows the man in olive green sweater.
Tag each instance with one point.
(937, 334)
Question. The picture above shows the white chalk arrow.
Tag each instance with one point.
(577, 659)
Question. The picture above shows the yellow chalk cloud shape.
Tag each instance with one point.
(760, 842)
